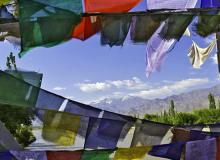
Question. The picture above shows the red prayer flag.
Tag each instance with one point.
(63, 155)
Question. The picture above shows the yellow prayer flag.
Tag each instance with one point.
(60, 128)
(135, 153)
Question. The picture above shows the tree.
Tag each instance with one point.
(211, 101)
(172, 111)
(11, 61)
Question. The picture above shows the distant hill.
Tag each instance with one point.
(184, 102)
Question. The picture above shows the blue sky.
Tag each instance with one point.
(87, 71)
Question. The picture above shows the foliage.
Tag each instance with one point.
(202, 116)
(18, 121)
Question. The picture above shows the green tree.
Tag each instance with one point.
(211, 101)
(18, 121)
(172, 111)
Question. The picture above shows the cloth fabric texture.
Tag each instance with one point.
(175, 26)
(60, 128)
(135, 153)
(81, 109)
(15, 91)
(26, 155)
(171, 4)
(199, 55)
(6, 156)
(114, 29)
(180, 135)
(157, 48)
(210, 3)
(144, 26)
(202, 150)
(96, 155)
(103, 133)
(208, 23)
(171, 151)
(149, 133)
(37, 16)
(63, 155)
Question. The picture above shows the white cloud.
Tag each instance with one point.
(214, 59)
(133, 84)
(94, 87)
(59, 88)
(168, 90)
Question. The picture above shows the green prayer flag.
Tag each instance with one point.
(14, 91)
(47, 23)
(97, 155)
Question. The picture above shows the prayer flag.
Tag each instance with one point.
(60, 128)
(37, 16)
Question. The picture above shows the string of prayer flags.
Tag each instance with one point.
(36, 17)
(60, 128)
(26, 155)
(114, 29)
(171, 151)
(91, 25)
(16, 91)
(103, 133)
(148, 133)
(134, 153)
(97, 155)
(201, 149)
(63, 155)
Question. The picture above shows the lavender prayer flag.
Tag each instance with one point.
(171, 4)
(29, 155)
(172, 151)
(6, 156)
(103, 133)
(157, 48)
(202, 150)
(210, 3)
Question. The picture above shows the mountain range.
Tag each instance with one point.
(137, 106)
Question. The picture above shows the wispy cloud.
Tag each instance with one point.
(133, 84)
(59, 88)
(209, 39)
(168, 90)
